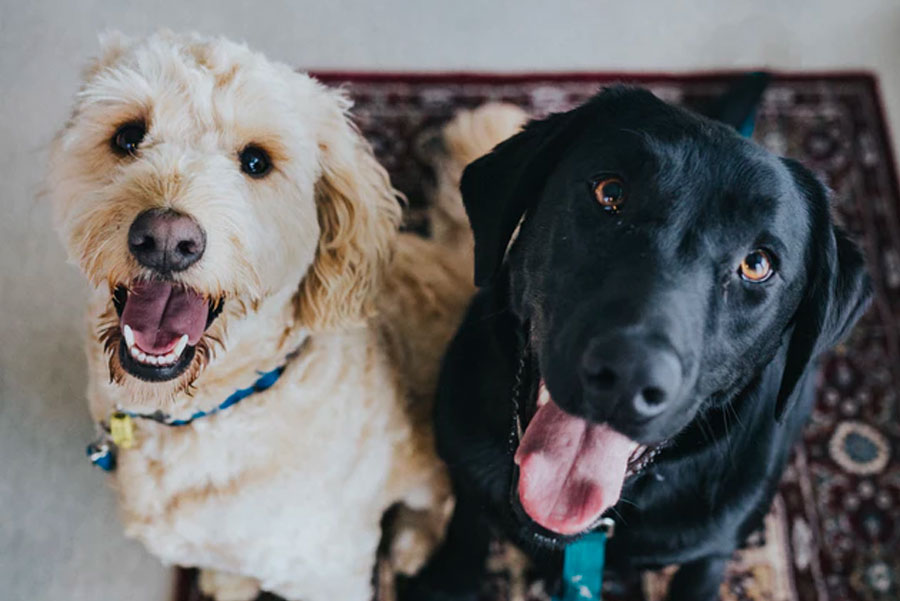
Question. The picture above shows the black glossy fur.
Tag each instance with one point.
(582, 285)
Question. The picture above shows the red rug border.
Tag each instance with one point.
(477, 76)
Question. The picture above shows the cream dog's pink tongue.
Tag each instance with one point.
(570, 470)
(159, 313)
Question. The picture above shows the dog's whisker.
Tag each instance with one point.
(628, 501)
(621, 519)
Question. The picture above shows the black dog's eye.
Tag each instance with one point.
(757, 266)
(128, 137)
(609, 192)
(255, 161)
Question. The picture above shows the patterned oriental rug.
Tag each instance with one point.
(833, 533)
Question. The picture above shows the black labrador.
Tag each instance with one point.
(655, 290)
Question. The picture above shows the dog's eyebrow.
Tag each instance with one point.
(641, 135)
(676, 151)
(649, 147)
(646, 139)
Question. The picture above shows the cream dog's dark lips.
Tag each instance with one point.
(155, 373)
(120, 295)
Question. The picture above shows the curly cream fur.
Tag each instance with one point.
(357, 238)
(286, 490)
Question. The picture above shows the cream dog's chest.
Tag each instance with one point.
(276, 469)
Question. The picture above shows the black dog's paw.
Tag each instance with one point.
(417, 589)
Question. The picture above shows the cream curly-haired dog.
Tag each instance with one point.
(262, 342)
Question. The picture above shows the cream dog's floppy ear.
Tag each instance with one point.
(359, 213)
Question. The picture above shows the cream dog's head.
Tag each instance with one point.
(195, 179)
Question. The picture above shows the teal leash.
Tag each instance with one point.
(582, 576)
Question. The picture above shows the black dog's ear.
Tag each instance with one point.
(737, 106)
(837, 292)
(498, 188)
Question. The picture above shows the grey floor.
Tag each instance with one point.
(59, 537)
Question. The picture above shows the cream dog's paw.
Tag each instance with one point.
(223, 586)
(415, 534)
(409, 550)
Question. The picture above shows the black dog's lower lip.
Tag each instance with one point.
(155, 373)
(533, 530)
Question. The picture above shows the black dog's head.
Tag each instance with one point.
(660, 263)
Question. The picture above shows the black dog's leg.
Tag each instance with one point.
(698, 580)
(455, 571)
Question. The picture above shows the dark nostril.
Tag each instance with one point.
(146, 243)
(187, 247)
(649, 402)
(654, 396)
(604, 379)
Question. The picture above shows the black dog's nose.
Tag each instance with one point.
(166, 240)
(629, 376)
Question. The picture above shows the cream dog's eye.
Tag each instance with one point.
(128, 137)
(255, 161)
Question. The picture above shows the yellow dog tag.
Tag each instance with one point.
(121, 428)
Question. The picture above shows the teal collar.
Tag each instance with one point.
(582, 577)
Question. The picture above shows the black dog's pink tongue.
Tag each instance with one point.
(570, 470)
(159, 313)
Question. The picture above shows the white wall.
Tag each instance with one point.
(59, 538)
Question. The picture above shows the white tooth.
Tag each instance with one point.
(153, 359)
(182, 344)
(135, 352)
(543, 396)
(141, 357)
(128, 334)
(170, 358)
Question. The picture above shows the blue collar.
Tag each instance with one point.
(264, 382)
(102, 452)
